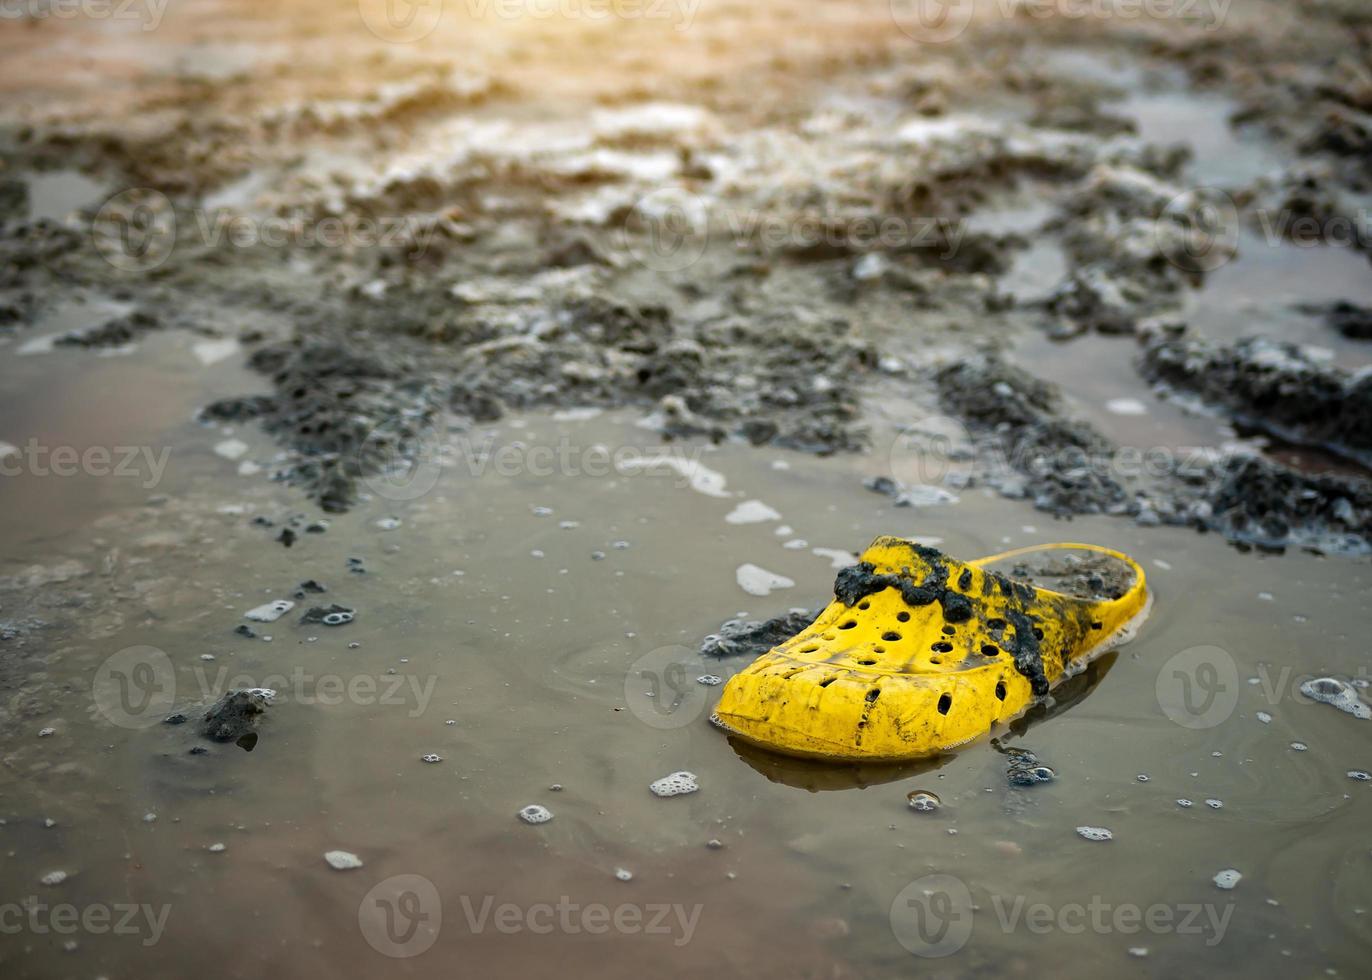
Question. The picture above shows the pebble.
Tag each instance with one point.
(342, 860)
(535, 814)
(675, 784)
(1227, 879)
(1095, 833)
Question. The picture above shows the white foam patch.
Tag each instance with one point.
(758, 581)
(837, 558)
(37, 345)
(209, 352)
(752, 512)
(1126, 406)
(698, 476)
(231, 448)
(577, 414)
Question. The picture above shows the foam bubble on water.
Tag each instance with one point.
(755, 580)
(1359, 775)
(216, 848)
(1215, 804)
(675, 784)
(1227, 879)
(1126, 406)
(624, 874)
(388, 523)
(342, 860)
(431, 758)
(1299, 746)
(1332, 691)
(535, 814)
(752, 512)
(53, 878)
(838, 558)
(1185, 803)
(1264, 717)
(710, 680)
(1095, 833)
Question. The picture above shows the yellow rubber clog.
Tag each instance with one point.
(919, 653)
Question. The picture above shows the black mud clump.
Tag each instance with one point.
(233, 718)
(113, 333)
(1253, 500)
(345, 414)
(752, 638)
(1032, 451)
(1349, 319)
(355, 397)
(1272, 387)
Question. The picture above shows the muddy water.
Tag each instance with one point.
(540, 643)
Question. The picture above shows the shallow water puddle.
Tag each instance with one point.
(536, 628)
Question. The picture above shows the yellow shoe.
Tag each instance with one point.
(919, 653)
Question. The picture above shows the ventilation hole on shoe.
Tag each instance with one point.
(1038, 633)
(867, 663)
(948, 631)
(891, 637)
(827, 681)
(995, 624)
(810, 649)
(903, 616)
(989, 651)
(942, 647)
(848, 625)
(1000, 690)
(873, 694)
(864, 604)
(945, 702)
(1096, 626)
